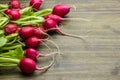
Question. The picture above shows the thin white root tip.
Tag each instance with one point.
(74, 7)
(66, 34)
(57, 47)
(47, 46)
(47, 67)
(83, 19)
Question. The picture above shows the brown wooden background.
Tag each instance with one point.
(98, 58)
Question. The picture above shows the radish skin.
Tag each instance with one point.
(10, 28)
(39, 32)
(34, 42)
(13, 14)
(14, 4)
(29, 66)
(61, 10)
(33, 54)
(7, 11)
(54, 17)
(58, 19)
(51, 25)
(26, 32)
(36, 4)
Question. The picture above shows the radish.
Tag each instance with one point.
(26, 32)
(28, 66)
(51, 25)
(7, 11)
(58, 19)
(13, 14)
(39, 32)
(10, 28)
(33, 42)
(33, 54)
(54, 17)
(36, 4)
(14, 4)
(61, 10)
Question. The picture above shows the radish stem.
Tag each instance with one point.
(9, 60)
(12, 41)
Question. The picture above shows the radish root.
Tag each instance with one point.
(73, 6)
(83, 19)
(47, 67)
(54, 44)
(63, 33)
(47, 46)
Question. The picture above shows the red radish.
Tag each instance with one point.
(33, 54)
(39, 32)
(28, 66)
(33, 42)
(13, 14)
(10, 28)
(61, 10)
(36, 4)
(14, 4)
(58, 19)
(7, 11)
(51, 25)
(26, 32)
(54, 17)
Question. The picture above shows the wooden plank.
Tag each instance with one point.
(98, 58)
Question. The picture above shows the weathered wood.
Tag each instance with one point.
(96, 58)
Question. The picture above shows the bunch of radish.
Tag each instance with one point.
(31, 26)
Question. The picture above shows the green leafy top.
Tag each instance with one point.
(18, 53)
(12, 57)
(3, 41)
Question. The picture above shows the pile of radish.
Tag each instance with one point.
(22, 30)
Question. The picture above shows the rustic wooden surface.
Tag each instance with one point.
(96, 58)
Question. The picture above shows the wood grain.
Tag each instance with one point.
(95, 58)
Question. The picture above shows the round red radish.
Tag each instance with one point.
(33, 54)
(27, 65)
(36, 4)
(10, 28)
(33, 42)
(54, 17)
(61, 10)
(39, 32)
(13, 14)
(7, 11)
(51, 25)
(26, 32)
(14, 4)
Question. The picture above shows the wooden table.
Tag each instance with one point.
(95, 58)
